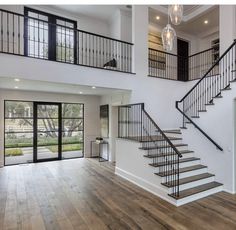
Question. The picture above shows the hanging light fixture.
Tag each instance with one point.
(176, 14)
(168, 35)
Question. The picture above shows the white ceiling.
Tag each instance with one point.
(194, 26)
(41, 86)
(187, 9)
(102, 12)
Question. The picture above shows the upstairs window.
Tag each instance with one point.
(49, 36)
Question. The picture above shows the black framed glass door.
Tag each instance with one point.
(47, 131)
(42, 131)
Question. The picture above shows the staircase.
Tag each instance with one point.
(181, 173)
(209, 88)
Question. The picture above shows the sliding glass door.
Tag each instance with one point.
(42, 131)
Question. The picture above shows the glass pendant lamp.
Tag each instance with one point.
(168, 35)
(176, 14)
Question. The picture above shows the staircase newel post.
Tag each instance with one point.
(178, 178)
(141, 127)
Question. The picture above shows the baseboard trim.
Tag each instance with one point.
(156, 190)
(228, 191)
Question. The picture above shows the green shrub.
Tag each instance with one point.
(13, 152)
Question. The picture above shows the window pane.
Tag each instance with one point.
(48, 111)
(47, 125)
(18, 125)
(72, 110)
(38, 37)
(47, 152)
(72, 150)
(71, 125)
(75, 137)
(15, 109)
(65, 42)
(47, 139)
(18, 140)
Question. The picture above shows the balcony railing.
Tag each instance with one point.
(28, 36)
(173, 67)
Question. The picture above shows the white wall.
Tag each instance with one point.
(91, 112)
(218, 122)
(227, 26)
(113, 101)
(121, 25)
(205, 42)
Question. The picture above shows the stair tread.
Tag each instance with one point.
(182, 160)
(148, 139)
(168, 154)
(164, 146)
(174, 131)
(183, 170)
(187, 180)
(195, 190)
(203, 110)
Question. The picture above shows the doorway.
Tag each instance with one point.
(42, 131)
(182, 52)
(47, 126)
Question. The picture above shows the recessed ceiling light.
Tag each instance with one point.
(206, 21)
(80, 92)
(16, 87)
(17, 79)
(157, 17)
(93, 87)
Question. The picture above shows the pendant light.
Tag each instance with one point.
(176, 14)
(168, 35)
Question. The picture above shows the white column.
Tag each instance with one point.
(140, 40)
(227, 26)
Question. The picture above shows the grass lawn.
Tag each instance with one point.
(13, 152)
(65, 148)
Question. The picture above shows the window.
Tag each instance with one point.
(49, 36)
(18, 132)
(72, 130)
(33, 130)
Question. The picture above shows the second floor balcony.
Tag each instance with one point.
(41, 35)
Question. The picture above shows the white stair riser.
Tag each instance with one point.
(186, 155)
(184, 164)
(194, 184)
(181, 148)
(199, 195)
(189, 163)
(188, 174)
(193, 173)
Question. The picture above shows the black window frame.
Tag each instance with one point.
(34, 103)
(52, 34)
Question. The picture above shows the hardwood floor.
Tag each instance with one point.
(84, 194)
